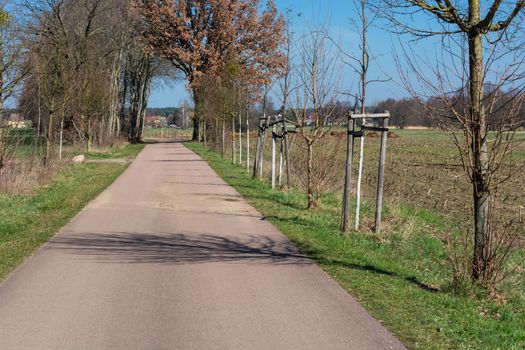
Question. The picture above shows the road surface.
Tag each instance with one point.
(171, 257)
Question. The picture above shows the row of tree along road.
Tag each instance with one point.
(82, 71)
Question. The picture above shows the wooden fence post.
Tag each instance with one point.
(359, 178)
(348, 173)
(234, 150)
(240, 138)
(286, 153)
(281, 151)
(261, 146)
(381, 176)
(273, 155)
(247, 142)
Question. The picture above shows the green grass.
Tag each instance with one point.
(26, 222)
(128, 151)
(400, 277)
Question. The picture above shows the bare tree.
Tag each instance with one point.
(12, 72)
(319, 79)
(286, 89)
(476, 36)
(360, 65)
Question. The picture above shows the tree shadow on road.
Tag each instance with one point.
(180, 248)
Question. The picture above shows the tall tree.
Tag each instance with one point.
(319, 79)
(478, 23)
(196, 35)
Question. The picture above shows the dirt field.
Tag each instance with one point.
(423, 170)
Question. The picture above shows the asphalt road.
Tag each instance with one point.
(171, 257)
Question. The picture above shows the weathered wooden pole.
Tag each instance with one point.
(359, 178)
(240, 138)
(348, 173)
(281, 154)
(234, 151)
(261, 146)
(273, 155)
(286, 153)
(280, 173)
(247, 142)
(61, 138)
(256, 153)
(381, 176)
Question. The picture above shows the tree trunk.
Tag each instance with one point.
(196, 118)
(309, 171)
(124, 88)
(260, 157)
(61, 137)
(204, 133)
(364, 71)
(481, 193)
(49, 135)
(348, 174)
(89, 137)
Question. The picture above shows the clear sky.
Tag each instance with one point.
(336, 14)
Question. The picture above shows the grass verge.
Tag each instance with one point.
(400, 277)
(28, 221)
(127, 151)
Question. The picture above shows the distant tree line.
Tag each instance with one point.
(410, 111)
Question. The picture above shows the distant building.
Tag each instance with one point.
(16, 121)
(155, 121)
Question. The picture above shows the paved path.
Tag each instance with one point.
(171, 257)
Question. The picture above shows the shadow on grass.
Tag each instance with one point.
(369, 268)
(281, 201)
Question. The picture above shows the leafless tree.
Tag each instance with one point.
(482, 42)
(319, 80)
(12, 72)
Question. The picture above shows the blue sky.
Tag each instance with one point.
(337, 15)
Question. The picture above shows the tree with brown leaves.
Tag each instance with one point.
(196, 35)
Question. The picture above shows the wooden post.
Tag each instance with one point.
(280, 173)
(256, 156)
(234, 151)
(262, 145)
(240, 138)
(273, 156)
(286, 153)
(348, 173)
(359, 178)
(247, 142)
(281, 155)
(61, 138)
(381, 176)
